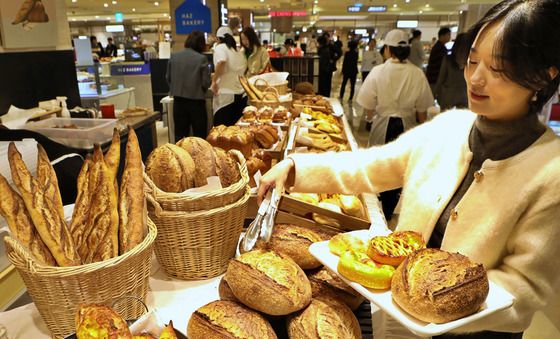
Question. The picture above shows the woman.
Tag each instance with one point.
(326, 66)
(349, 69)
(482, 182)
(370, 58)
(257, 55)
(451, 88)
(395, 98)
(188, 76)
(417, 54)
(229, 64)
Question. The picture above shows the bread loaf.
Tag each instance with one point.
(268, 282)
(232, 137)
(48, 222)
(12, 208)
(265, 135)
(224, 319)
(293, 241)
(264, 156)
(82, 206)
(113, 157)
(253, 166)
(324, 283)
(437, 286)
(132, 201)
(225, 291)
(201, 153)
(48, 180)
(324, 318)
(171, 168)
(226, 167)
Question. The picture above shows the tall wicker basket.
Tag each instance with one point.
(198, 245)
(58, 291)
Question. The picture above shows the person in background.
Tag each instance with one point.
(229, 63)
(326, 67)
(188, 76)
(349, 69)
(417, 54)
(481, 182)
(370, 59)
(111, 48)
(150, 51)
(257, 56)
(286, 47)
(395, 97)
(451, 88)
(439, 51)
(312, 45)
(96, 47)
(333, 50)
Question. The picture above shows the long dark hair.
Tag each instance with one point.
(196, 41)
(527, 45)
(251, 35)
(229, 41)
(459, 45)
(402, 53)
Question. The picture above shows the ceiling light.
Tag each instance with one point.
(108, 18)
(427, 5)
(407, 1)
(114, 2)
(461, 12)
(262, 0)
(74, 0)
(156, 3)
(420, 12)
(97, 16)
(134, 9)
(105, 5)
(316, 2)
(394, 5)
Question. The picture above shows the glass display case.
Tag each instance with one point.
(96, 80)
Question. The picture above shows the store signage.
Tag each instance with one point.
(354, 9)
(119, 17)
(370, 9)
(287, 13)
(192, 15)
(376, 9)
(114, 28)
(140, 69)
(223, 15)
(407, 23)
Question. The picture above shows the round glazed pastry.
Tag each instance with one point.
(358, 267)
(268, 282)
(325, 283)
(171, 168)
(224, 319)
(437, 286)
(324, 318)
(392, 249)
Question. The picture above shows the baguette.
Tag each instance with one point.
(244, 83)
(12, 208)
(47, 179)
(101, 242)
(82, 206)
(113, 155)
(255, 90)
(50, 225)
(132, 201)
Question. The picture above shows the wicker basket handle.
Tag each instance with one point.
(261, 79)
(17, 252)
(271, 90)
(157, 207)
(268, 94)
(126, 297)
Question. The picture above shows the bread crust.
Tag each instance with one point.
(82, 205)
(437, 286)
(200, 151)
(225, 291)
(226, 167)
(171, 168)
(326, 284)
(224, 319)
(268, 282)
(132, 200)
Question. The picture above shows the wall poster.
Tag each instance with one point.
(28, 23)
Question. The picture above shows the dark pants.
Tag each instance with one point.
(482, 335)
(389, 199)
(230, 114)
(364, 76)
(345, 79)
(325, 82)
(187, 113)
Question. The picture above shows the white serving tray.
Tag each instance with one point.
(498, 298)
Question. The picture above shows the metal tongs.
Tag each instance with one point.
(263, 224)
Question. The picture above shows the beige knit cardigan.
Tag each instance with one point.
(508, 220)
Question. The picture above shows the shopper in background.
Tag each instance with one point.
(312, 45)
(417, 54)
(395, 98)
(483, 182)
(188, 76)
(349, 69)
(370, 58)
(257, 56)
(451, 88)
(229, 64)
(96, 46)
(111, 48)
(326, 67)
(439, 51)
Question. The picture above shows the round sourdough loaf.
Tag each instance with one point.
(326, 284)
(224, 319)
(437, 286)
(225, 291)
(202, 154)
(324, 318)
(226, 167)
(268, 282)
(171, 168)
(293, 241)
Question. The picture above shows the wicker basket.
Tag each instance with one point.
(198, 245)
(58, 291)
(281, 88)
(200, 201)
(270, 93)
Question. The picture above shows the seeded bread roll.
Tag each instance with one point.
(224, 319)
(268, 282)
(324, 283)
(324, 318)
(226, 167)
(171, 168)
(437, 286)
(201, 153)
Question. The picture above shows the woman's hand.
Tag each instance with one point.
(214, 87)
(281, 174)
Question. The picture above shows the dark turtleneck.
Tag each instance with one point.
(494, 140)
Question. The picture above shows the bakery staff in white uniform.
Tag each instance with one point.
(395, 97)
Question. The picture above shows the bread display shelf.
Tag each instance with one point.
(304, 209)
(498, 298)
